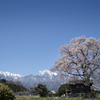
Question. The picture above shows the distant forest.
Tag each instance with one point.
(14, 86)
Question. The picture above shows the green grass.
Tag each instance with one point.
(46, 98)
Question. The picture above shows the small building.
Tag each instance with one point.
(68, 92)
(79, 89)
(18, 93)
(27, 93)
(51, 93)
(97, 90)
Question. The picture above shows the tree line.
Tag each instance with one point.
(14, 86)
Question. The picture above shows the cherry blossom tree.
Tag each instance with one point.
(80, 58)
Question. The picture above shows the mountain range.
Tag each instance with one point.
(9, 76)
(45, 77)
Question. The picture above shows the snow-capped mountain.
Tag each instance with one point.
(9, 76)
(46, 72)
(45, 77)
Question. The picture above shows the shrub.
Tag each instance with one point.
(98, 95)
(93, 92)
(6, 93)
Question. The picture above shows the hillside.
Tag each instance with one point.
(15, 87)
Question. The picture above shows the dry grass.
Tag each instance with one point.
(41, 98)
(22, 97)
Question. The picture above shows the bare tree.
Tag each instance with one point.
(80, 58)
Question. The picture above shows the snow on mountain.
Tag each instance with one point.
(46, 72)
(45, 77)
(9, 76)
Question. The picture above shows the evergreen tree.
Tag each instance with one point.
(42, 90)
(62, 89)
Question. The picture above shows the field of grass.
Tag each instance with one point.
(41, 98)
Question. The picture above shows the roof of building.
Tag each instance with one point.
(96, 88)
(52, 91)
(68, 89)
(73, 82)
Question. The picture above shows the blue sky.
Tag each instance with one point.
(32, 31)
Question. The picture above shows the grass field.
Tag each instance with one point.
(40, 98)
